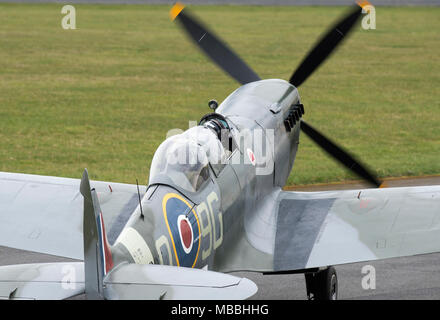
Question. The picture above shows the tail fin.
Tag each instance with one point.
(98, 259)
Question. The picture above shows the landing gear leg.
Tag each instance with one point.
(322, 285)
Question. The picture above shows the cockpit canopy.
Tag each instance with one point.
(184, 158)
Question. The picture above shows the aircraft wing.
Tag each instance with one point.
(62, 280)
(302, 230)
(45, 214)
(42, 281)
(154, 282)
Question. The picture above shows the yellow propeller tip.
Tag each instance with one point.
(383, 185)
(363, 3)
(175, 10)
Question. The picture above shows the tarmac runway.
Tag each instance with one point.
(416, 277)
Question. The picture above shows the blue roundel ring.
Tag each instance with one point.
(184, 229)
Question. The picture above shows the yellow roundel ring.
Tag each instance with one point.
(164, 210)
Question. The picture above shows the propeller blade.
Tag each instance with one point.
(213, 47)
(325, 47)
(339, 154)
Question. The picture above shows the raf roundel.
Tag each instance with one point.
(251, 156)
(184, 229)
(186, 233)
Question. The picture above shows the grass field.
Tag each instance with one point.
(104, 96)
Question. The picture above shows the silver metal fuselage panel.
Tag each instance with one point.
(220, 210)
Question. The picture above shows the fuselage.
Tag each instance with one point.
(190, 224)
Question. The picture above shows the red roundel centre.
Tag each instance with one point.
(185, 231)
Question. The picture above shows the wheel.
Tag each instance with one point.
(322, 285)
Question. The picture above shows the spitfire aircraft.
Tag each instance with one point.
(214, 204)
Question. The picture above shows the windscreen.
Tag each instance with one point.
(184, 158)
